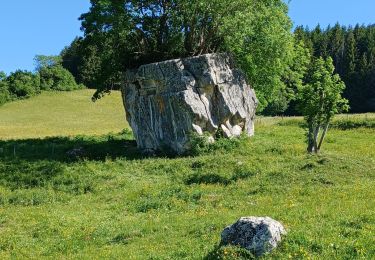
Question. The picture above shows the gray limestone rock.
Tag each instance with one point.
(259, 235)
(167, 101)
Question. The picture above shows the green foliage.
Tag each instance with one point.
(320, 99)
(4, 89)
(50, 75)
(260, 39)
(57, 78)
(125, 34)
(53, 76)
(205, 144)
(23, 84)
(353, 53)
(2, 75)
(43, 61)
(292, 80)
(71, 58)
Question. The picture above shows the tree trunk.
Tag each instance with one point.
(316, 134)
(310, 139)
(323, 135)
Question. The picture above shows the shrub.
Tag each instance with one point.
(23, 84)
(4, 93)
(4, 89)
(57, 78)
(201, 144)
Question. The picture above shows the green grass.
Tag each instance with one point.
(111, 202)
(62, 114)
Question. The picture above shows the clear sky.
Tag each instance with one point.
(325, 12)
(30, 27)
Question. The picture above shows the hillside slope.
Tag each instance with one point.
(109, 201)
(62, 114)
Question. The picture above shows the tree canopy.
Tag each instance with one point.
(124, 34)
(53, 76)
(45, 61)
(23, 84)
(4, 89)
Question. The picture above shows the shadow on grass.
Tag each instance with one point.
(35, 163)
(214, 178)
(71, 149)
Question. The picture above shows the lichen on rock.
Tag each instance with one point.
(259, 235)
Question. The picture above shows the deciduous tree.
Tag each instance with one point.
(4, 89)
(319, 100)
(125, 34)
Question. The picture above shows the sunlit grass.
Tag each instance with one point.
(114, 203)
(62, 114)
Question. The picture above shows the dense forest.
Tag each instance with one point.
(353, 52)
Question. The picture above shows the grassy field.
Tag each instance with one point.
(114, 203)
(62, 114)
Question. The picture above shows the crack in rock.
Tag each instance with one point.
(183, 96)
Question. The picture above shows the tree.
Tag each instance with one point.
(71, 57)
(44, 61)
(337, 46)
(4, 89)
(319, 100)
(23, 84)
(125, 34)
(353, 53)
(259, 37)
(52, 74)
(57, 78)
(292, 79)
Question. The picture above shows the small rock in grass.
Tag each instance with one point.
(259, 235)
(76, 152)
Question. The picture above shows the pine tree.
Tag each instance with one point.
(353, 53)
(350, 55)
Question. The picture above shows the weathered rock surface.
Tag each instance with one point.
(167, 101)
(259, 235)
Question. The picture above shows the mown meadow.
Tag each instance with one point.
(62, 114)
(110, 201)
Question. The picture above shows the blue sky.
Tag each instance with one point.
(325, 12)
(30, 27)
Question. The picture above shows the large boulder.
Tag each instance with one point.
(259, 235)
(166, 102)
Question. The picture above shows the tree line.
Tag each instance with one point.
(353, 52)
(121, 35)
(124, 34)
(49, 75)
